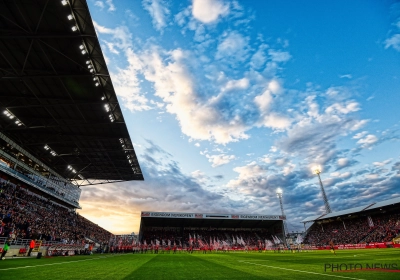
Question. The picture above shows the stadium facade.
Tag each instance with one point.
(180, 226)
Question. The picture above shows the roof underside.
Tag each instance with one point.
(214, 223)
(46, 84)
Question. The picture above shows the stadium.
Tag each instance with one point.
(62, 129)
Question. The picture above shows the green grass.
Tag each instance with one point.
(305, 265)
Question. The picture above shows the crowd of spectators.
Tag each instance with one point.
(382, 227)
(26, 215)
(198, 237)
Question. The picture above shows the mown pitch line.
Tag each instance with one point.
(302, 271)
(31, 266)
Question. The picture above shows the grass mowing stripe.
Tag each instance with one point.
(328, 275)
(30, 266)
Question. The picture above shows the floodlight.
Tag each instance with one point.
(89, 66)
(91, 70)
(316, 169)
(6, 112)
(70, 17)
(81, 47)
(96, 84)
(87, 61)
(83, 51)
(103, 98)
(279, 191)
(64, 2)
(10, 116)
(74, 28)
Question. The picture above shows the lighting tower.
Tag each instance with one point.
(279, 194)
(317, 170)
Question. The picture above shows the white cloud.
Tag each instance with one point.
(368, 141)
(343, 162)
(275, 121)
(121, 35)
(236, 84)
(346, 108)
(314, 130)
(234, 46)
(259, 58)
(158, 11)
(348, 76)
(111, 6)
(249, 176)
(126, 81)
(127, 84)
(372, 176)
(111, 47)
(279, 56)
(174, 83)
(218, 160)
(197, 144)
(360, 135)
(208, 11)
(200, 177)
(288, 168)
(393, 42)
(359, 124)
(99, 4)
(382, 163)
(344, 175)
(265, 100)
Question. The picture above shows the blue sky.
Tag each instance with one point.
(226, 101)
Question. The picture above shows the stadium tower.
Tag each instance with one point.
(279, 193)
(61, 126)
(317, 170)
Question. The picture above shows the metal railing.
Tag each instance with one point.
(29, 181)
(25, 242)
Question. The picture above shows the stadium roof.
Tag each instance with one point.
(353, 210)
(55, 84)
(173, 219)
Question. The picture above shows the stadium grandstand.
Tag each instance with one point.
(370, 225)
(212, 231)
(61, 126)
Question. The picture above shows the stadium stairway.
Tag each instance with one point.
(367, 235)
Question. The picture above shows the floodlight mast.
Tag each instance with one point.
(317, 170)
(279, 194)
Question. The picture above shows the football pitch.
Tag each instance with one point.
(254, 265)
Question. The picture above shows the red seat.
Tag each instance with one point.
(22, 251)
